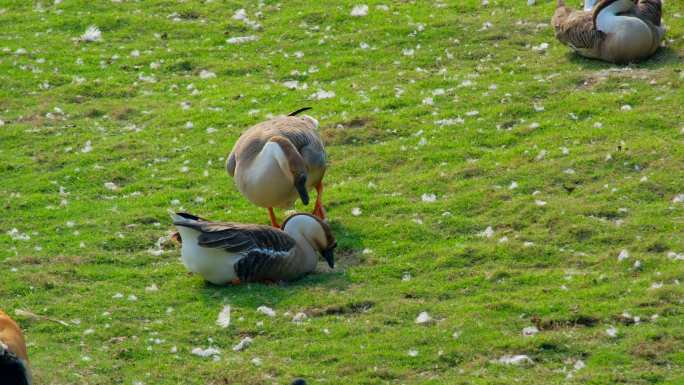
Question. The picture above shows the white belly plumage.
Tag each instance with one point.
(215, 265)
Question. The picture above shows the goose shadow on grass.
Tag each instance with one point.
(347, 255)
(663, 57)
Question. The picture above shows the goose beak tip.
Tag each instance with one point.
(329, 258)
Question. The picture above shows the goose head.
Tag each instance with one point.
(293, 165)
(315, 231)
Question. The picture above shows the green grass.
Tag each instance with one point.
(89, 243)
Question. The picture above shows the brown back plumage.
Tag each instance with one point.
(575, 28)
(237, 237)
(299, 131)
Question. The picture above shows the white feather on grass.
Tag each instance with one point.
(242, 39)
(93, 33)
(359, 10)
(223, 319)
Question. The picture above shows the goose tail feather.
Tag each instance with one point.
(184, 218)
(299, 111)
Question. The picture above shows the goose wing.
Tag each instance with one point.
(301, 131)
(260, 265)
(242, 238)
(266, 249)
(576, 28)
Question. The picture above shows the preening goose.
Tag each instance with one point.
(278, 160)
(14, 369)
(233, 252)
(617, 31)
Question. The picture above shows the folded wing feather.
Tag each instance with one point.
(237, 237)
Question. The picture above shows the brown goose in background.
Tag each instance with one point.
(617, 31)
(224, 252)
(14, 369)
(278, 160)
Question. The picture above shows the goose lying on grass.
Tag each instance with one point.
(14, 369)
(233, 252)
(278, 160)
(617, 31)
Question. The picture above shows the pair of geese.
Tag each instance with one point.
(277, 161)
(273, 163)
(617, 31)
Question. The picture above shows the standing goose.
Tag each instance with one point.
(14, 369)
(233, 252)
(278, 160)
(617, 31)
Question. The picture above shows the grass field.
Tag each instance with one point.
(475, 174)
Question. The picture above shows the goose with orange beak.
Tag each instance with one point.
(14, 366)
(224, 252)
(616, 31)
(279, 160)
